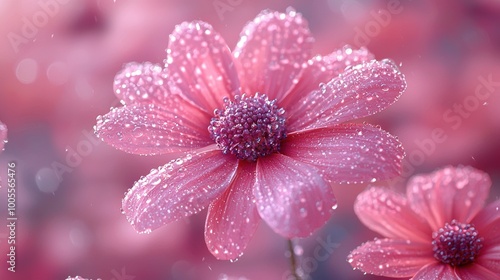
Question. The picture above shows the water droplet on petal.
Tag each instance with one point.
(319, 205)
(303, 212)
(156, 181)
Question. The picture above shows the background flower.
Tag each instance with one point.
(439, 230)
(61, 77)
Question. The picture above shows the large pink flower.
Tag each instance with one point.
(262, 128)
(440, 230)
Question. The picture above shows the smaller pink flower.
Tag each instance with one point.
(440, 230)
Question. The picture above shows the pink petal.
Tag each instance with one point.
(389, 214)
(291, 196)
(347, 153)
(321, 69)
(391, 258)
(155, 129)
(489, 257)
(475, 271)
(447, 194)
(360, 91)
(178, 189)
(435, 271)
(201, 65)
(141, 83)
(3, 135)
(272, 51)
(233, 218)
(487, 222)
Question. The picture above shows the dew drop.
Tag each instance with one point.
(389, 62)
(156, 181)
(319, 205)
(322, 87)
(303, 212)
(462, 183)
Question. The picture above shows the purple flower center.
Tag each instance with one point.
(456, 244)
(248, 127)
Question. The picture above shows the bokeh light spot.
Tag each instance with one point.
(47, 180)
(57, 73)
(27, 71)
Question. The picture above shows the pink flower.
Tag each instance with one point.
(440, 230)
(262, 129)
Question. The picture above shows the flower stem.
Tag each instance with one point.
(293, 260)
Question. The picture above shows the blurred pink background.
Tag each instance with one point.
(57, 63)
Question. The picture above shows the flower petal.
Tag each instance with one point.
(321, 69)
(291, 196)
(178, 189)
(436, 270)
(489, 257)
(360, 91)
(201, 65)
(447, 194)
(141, 83)
(391, 258)
(272, 51)
(233, 218)
(153, 129)
(389, 214)
(347, 153)
(475, 271)
(487, 223)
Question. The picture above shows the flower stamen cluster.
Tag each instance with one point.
(248, 127)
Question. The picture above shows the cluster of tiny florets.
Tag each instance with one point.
(248, 127)
(456, 244)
